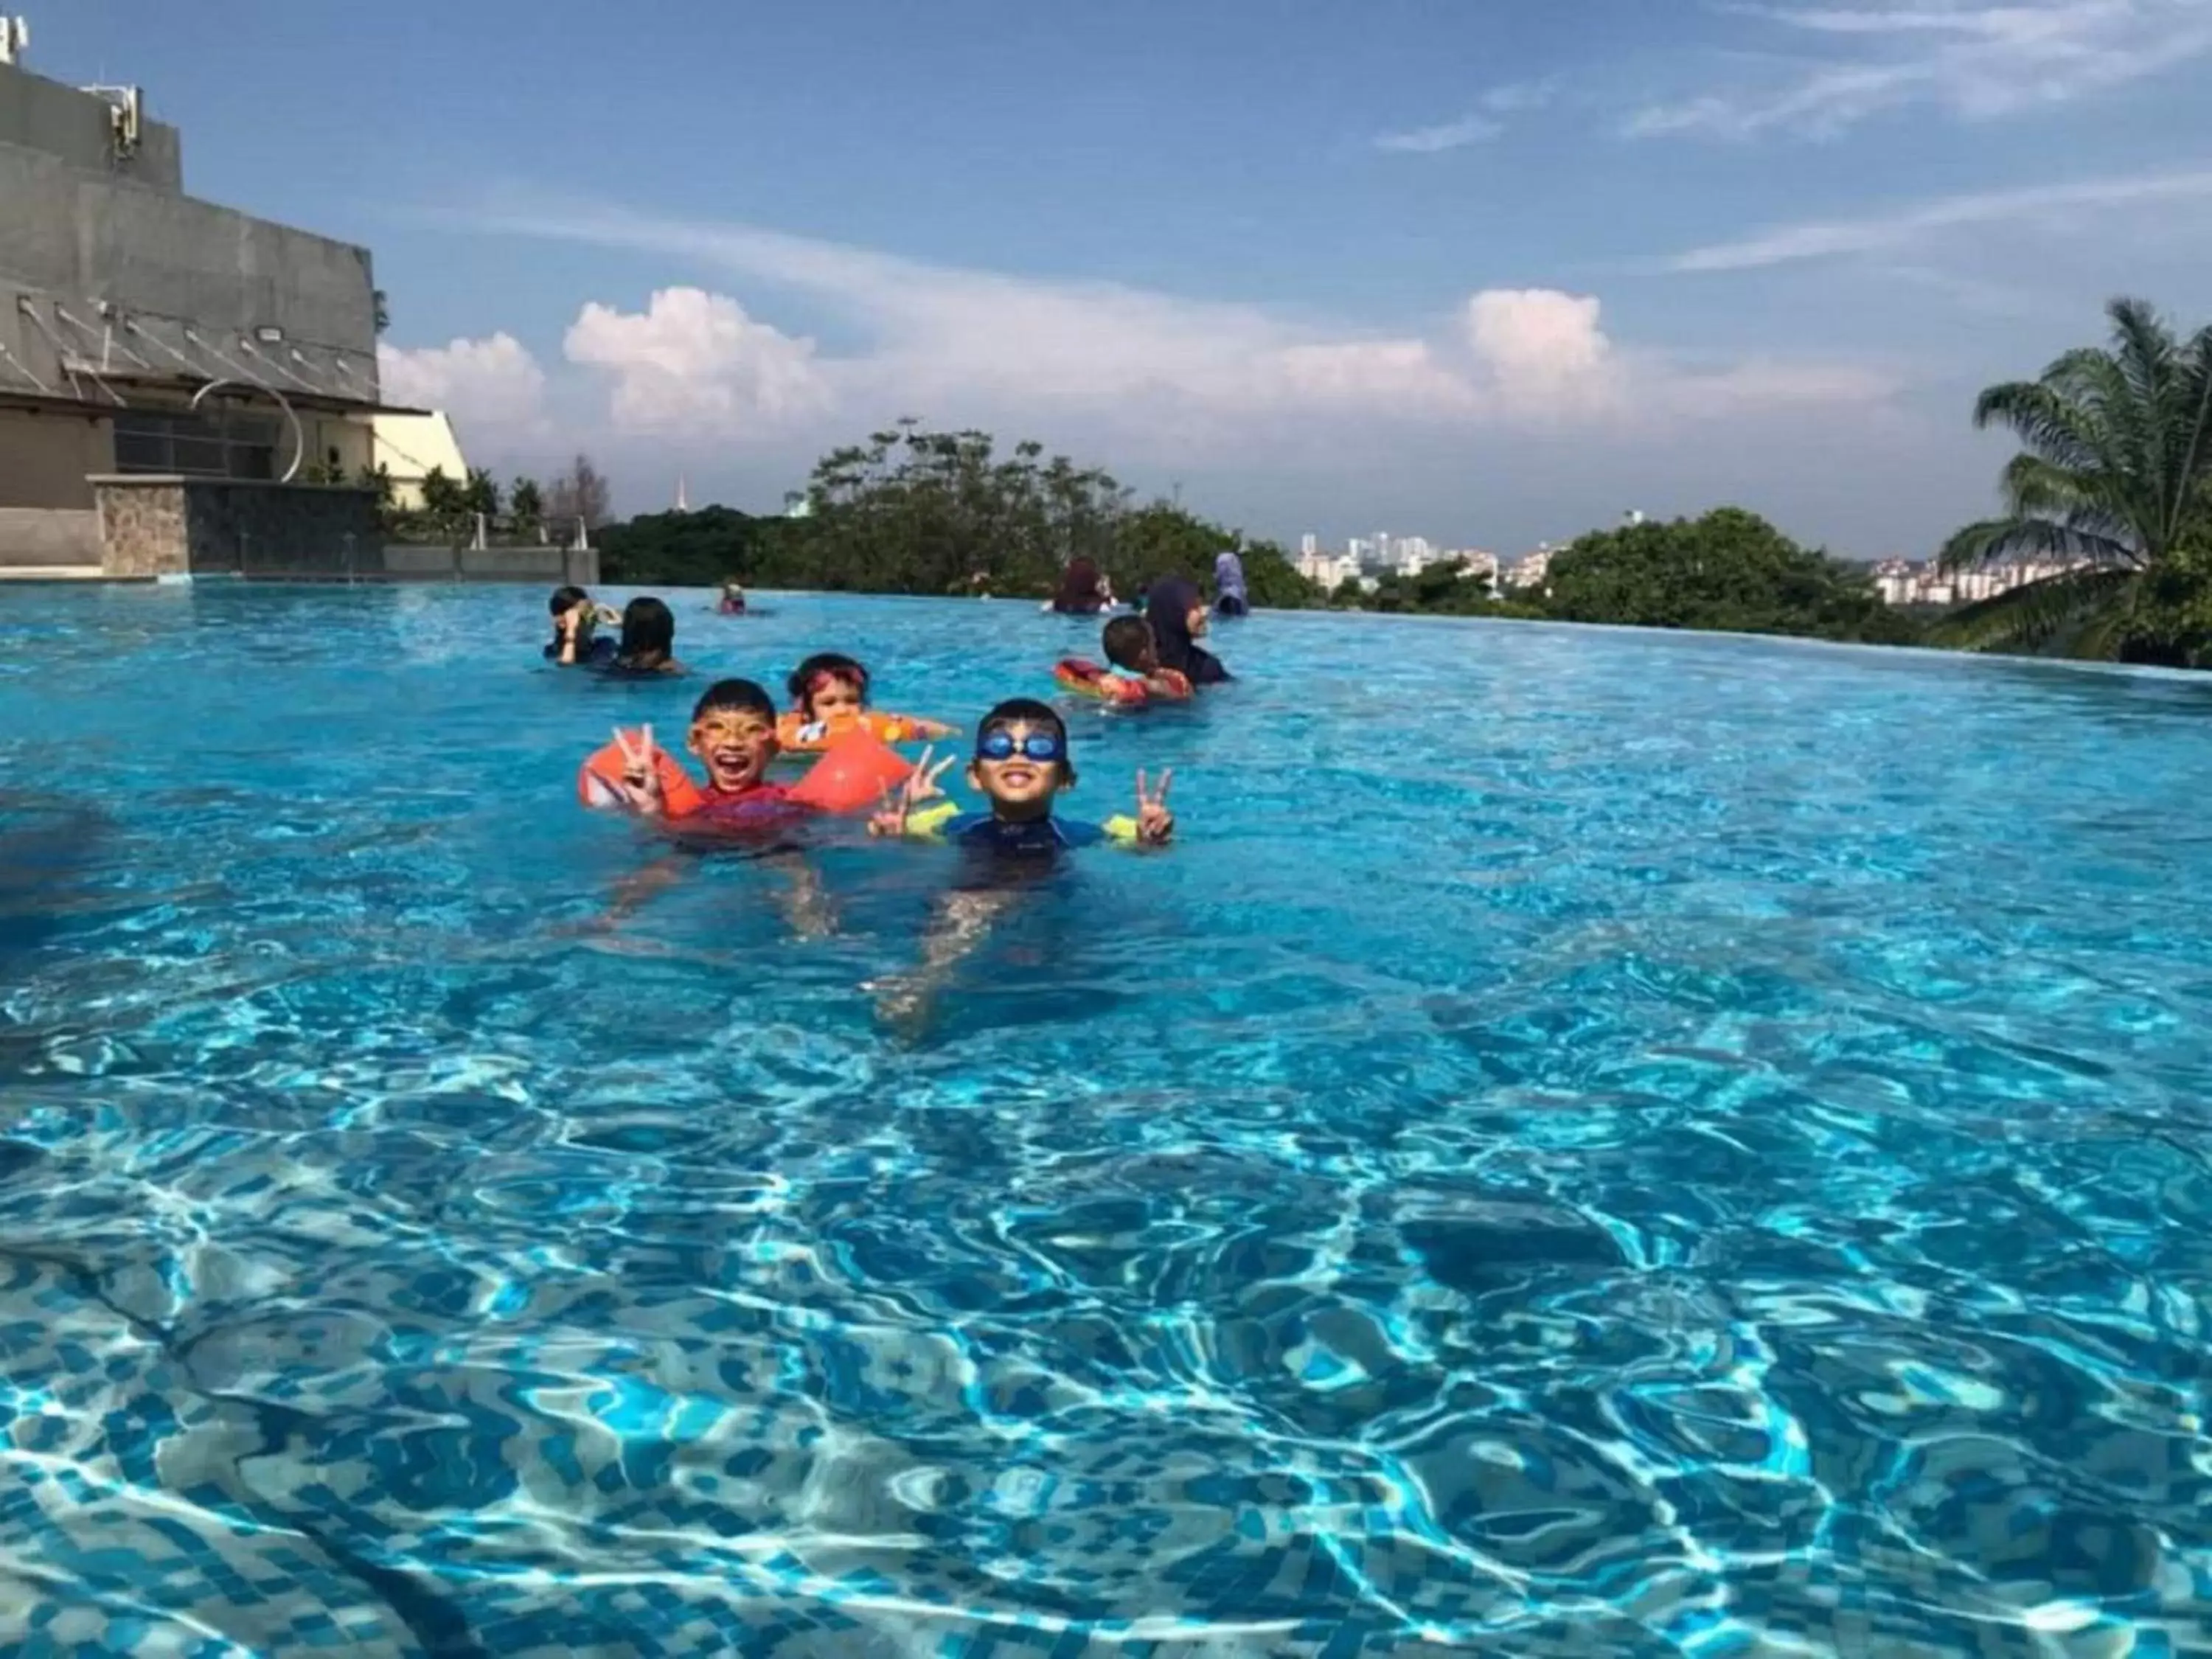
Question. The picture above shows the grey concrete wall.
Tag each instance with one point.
(74, 127)
(48, 536)
(45, 456)
(70, 233)
(419, 562)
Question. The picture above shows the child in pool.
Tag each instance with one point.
(734, 736)
(1130, 648)
(830, 696)
(1020, 765)
(648, 639)
(576, 620)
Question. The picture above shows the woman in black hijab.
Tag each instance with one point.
(1178, 613)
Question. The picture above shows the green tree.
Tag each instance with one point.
(480, 493)
(525, 504)
(1730, 570)
(441, 496)
(2114, 483)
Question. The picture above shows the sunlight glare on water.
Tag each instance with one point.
(1593, 1142)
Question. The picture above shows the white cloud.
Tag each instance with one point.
(1541, 352)
(493, 384)
(1908, 226)
(1157, 369)
(1974, 59)
(1446, 134)
(1482, 123)
(693, 363)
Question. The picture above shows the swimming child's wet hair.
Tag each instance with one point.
(1126, 641)
(824, 665)
(737, 697)
(1028, 711)
(1025, 711)
(648, 625)
(566, 600)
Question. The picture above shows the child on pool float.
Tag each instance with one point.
(829, 697)
(1134, 654)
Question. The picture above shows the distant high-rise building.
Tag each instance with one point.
(1308, 545)
(682, 501)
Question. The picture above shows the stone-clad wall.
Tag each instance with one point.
(142, 527)
(153, 525)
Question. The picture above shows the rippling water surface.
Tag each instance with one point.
(1594, 1143)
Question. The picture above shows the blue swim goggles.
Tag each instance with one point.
(998, 745)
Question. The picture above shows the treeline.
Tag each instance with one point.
(450, 509)
(913, 511)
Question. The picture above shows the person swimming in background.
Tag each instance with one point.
(1083, 591)
(829, 697)
(732, 602)
(1130, 648)
(1020, 766)
(576, 638)
(1231, 597)
(648, 639)
(1178, 615)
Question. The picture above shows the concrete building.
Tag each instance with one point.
(166, 364)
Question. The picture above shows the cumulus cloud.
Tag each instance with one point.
(694, 363)
(494, 383)
(1543, 354)
(983, 345)
(1974, 59)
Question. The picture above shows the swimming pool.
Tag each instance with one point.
(1593, 1143)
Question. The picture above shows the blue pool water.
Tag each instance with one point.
(1594, 1143)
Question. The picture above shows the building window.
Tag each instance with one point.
(226, 445)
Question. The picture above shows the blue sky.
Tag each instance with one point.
(1490, 272)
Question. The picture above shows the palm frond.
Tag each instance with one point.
(2024, 618)
(2028, 537)
(2046, 422)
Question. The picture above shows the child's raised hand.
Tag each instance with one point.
(640, 773)
(1155, 823)
(921, 784)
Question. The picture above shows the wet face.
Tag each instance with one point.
(1020, 766)
(1196, 621)
(735, 745)
(833, 697)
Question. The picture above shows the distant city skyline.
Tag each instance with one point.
(1681, 255)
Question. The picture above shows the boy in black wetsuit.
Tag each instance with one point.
(1021, 763)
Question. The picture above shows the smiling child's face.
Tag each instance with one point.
(735, 745)
(1018, 783)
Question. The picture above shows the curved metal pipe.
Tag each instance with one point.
(299, 434)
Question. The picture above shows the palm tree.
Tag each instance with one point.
(2114, 482)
